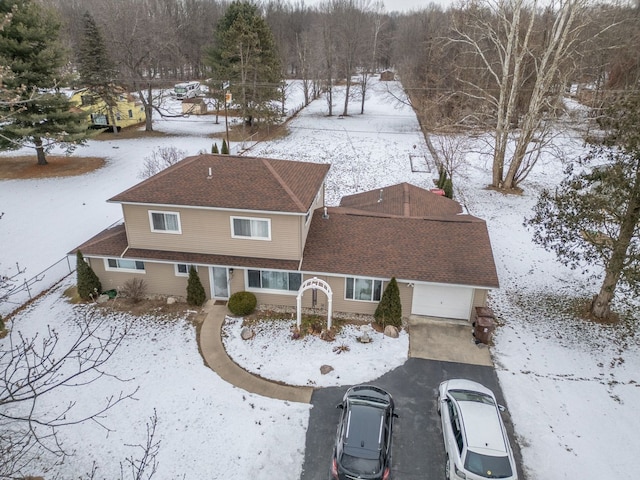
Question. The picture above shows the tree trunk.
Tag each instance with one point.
(148, 110)
(42, 158)
(112, 120)
(345, 111)
(600, 307)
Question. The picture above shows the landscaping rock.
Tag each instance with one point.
(103, 298)
(247, 334)
(391, 331)
(324, 369)
(171, 300)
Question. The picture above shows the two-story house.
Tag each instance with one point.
(261, 225)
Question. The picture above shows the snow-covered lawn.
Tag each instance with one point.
(572, 387)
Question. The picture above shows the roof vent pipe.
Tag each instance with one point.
(325, 215)
(210, 176)
(380, 198)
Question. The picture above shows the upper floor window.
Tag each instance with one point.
(124, 264)
(367, 289)
(166, 222)
(256, 228)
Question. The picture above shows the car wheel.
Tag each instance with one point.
(447, 469)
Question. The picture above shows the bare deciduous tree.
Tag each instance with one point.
(526, 51)
(159, 159)
(33, 369)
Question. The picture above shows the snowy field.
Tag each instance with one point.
(572, 387)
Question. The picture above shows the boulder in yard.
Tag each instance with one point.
(247, 334)
(391, 331)
(324, 369)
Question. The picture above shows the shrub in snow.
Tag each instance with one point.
(195, 291)
(242, 303)
(88, 282)
(389, 310)
(135, 289)
(160, 158)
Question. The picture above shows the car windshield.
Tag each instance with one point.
(488, 466)
(360, 465)
(180, 89)
(469, 396)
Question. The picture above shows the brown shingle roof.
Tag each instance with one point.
(243, 183)
(453, 251)
(402, 199)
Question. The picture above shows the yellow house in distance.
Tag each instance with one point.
(127, 111)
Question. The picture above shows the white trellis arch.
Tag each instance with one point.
(320, 284)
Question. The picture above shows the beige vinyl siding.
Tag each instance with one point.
(479, 299)
(160, 278)
(209, 231)
(318, 202)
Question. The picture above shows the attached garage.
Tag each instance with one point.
(442, 301)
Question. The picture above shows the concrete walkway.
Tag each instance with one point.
(431, 339)
(217, 359)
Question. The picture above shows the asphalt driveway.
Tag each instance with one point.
(418, 451)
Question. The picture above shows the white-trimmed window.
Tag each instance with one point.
(365, 289)
(164, 222)
(124, 264)
(256, 228)
(274, 280)
(182, 269)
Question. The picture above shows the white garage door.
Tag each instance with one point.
(440, 301)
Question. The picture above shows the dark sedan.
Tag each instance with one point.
(363, 439)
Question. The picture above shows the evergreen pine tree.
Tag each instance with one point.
(29, 48)
(214, 149)
(389, 310)
(88, 282)
(195, 291)
(225, 147)
(244, 48)
(448, 188)
(97, 70)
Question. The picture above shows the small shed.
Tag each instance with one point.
(194, 106)
(387, 76)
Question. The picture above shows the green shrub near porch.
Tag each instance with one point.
(195, 291)
(242, 303)
(87, 281)
(389, 310)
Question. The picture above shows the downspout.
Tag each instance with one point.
(124, 252)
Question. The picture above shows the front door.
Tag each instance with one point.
(219, 277)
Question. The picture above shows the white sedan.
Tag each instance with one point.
(475, 439)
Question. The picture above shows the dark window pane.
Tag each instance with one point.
(377, 290)
(254, 278)
(295, 280)
(349, 293)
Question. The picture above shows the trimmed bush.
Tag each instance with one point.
(214, 149)
(88, 282)
(195, 291)
(242, 303)
(389, 310)
(225, 147)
